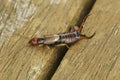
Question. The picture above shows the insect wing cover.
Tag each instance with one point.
(51, 39)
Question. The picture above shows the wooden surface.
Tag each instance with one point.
(20, 20)
(99, 57)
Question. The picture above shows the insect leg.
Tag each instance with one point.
(74, 28)
(48, 47)
(40, 45)
(63, 45)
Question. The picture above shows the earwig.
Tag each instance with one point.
(72, 36)
(62, 38)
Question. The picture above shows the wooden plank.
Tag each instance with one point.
(20, 20)
(97, 58)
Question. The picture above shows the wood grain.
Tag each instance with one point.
(99, 57)
(20, 20)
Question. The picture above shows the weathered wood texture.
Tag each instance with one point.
(99, 57)
(20, 20)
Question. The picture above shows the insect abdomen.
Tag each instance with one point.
(69, 37)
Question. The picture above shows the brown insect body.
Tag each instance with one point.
(62, 38)
(69, 37)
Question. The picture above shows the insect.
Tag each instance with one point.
(72, 36)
